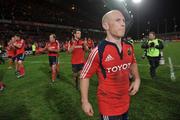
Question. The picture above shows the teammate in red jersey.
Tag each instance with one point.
(11, 52)
(90, 43)
(19, 45)
(53, 48)
(77, 47)
(112, 61)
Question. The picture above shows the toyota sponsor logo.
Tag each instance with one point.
(118, 67)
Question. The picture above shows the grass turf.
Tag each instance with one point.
(33, 98)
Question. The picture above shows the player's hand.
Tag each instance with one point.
(87, 108)
(50, 49)
(72, 45)
(85, 42)
(134, 87)
(14, 44)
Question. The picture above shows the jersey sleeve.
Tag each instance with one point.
(91, 64)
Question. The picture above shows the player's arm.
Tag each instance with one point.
(58, 47)
(134, 87)
(85, 45)
(86, 106)
(93, 44)
(70, 47)
(54, 50)
(8, 46)
(45, 48)
(89, 69)
(11, 42)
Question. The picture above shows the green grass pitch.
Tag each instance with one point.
(33, 98)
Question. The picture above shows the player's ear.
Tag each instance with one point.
(105, 26)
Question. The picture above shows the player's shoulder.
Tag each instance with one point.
(94, 49)
(93, 55)
(128, 45)
(128, 42)
(94, 52)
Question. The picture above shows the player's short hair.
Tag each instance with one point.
(54, 35)
(17, 35)
(74, 31)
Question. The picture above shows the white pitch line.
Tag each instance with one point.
(172, 75)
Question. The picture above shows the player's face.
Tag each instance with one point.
(78, 34)
(51, 38)
(151, 36)
(117, 24)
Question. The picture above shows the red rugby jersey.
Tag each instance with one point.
(55, 46)
(20, 50)
(78, 53)
(10, 51)
(113, 95)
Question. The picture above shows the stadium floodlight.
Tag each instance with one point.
(121, 0)
(136, 1)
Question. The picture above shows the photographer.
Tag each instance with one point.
(153, 47)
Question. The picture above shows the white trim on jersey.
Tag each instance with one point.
(89, 62)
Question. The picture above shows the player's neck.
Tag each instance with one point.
(114, 40)
(76, 39)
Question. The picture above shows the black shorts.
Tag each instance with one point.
(12, 58)
(20, 57)
(77, 67)
(53, 60)
(118, 117)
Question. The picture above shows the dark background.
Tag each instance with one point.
(161, 16)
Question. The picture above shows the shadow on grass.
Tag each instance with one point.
(59, 101)
(14, 112)
(45, 69)
(162, 96)
(69, 80)
(2, 73)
